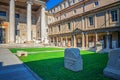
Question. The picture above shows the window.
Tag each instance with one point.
(73, 1)
(96, 3)
(17, 32)
(69, 3)
(74, 11)
(65, 15)
(2, 13)
(80, 0)
(59, 27)
(69, 26)
(46, 30)
(91, 21)
(114, 15)
(64, 5)
(56, 18)
(54, 9)
(60, 6)
(17, 15)
(51, 29)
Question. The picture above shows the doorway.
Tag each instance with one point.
(2, 35)
(118, 39)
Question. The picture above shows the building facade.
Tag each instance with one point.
(84, 23)
(22, 21)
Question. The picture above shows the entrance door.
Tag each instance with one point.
(110, 41)
(79, 42)
(118, 39)
(104, 42)
(2, 35)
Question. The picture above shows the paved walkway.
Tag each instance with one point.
(11, 68)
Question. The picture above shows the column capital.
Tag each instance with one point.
(30, 2)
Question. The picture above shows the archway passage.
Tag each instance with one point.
(2, 35)
(2, 32)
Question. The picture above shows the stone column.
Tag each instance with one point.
(12, 22)
(57, 41)
(74, 39)
(29, 22)
(61, 41)
(43, 24)
(66, 41)
(107, 40)
(96, 38)
(53, 40)
(83, 41)
(86, 40)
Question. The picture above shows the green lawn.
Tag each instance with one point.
(14, 50)
(50, 65)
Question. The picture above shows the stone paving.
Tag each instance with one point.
(11, 68)
(20, 45)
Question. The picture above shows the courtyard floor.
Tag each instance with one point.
(11, 68)
(48, 63)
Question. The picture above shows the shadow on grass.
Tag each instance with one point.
(53, 69)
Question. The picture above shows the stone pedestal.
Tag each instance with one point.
(113, 66)
(73, 60)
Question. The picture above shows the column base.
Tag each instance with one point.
(11, 42)
(29, 42)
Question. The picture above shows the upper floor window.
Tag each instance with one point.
(65, 15)
(54, 10)
(57, 18)
(59, 28)
(96, 3)
(80, 0)
(114, 15)
(2, 13)
(69, 3)
(73, 1)
(17, 16)
(51, 29)
(69, 26)
(64, 5)
(91, 21)
(60, 6)
(74, 11)
(46, 30)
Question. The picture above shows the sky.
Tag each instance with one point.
(51, 3)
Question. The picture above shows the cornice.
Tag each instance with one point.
(85, 13)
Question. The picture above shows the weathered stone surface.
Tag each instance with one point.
(21, 53)
(72, 59)
(113, 66)
(99, 47)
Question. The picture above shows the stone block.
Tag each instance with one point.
(113, 66)
(21, 53)
(72, 59)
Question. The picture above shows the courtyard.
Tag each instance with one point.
(48, 63)
(34, 35)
